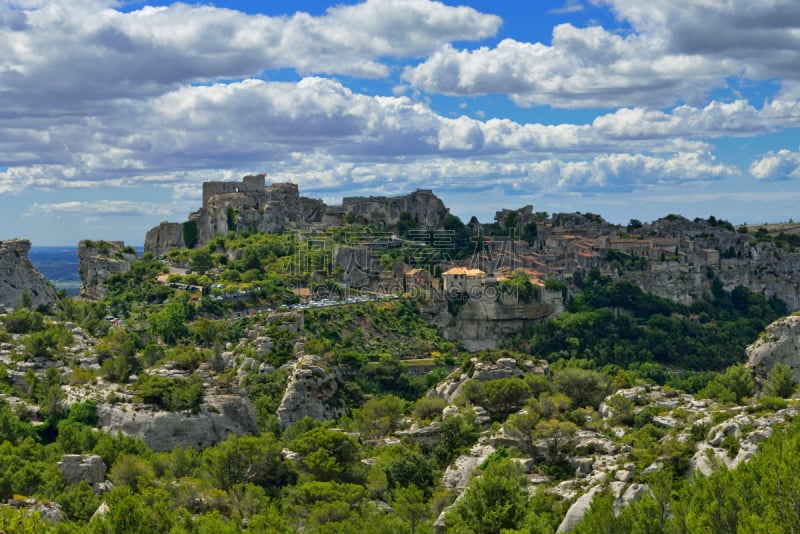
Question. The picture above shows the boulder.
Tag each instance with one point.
(458, 473)
(632, 494)
(48, 511)
(577, 510)
(77, 467)
(311, 391)
(780, 343)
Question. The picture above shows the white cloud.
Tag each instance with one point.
(184, 136)
(781, 165)
(671, 55)
(73, 58)
(98, 208)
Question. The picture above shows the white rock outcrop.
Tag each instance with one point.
(77, 467)
(220, 415)
(97, 261)
(18, 276)
(310, 392)
(779, 344)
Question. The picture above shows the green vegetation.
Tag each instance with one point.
(369, 340)
(616, 323)
(757, 496)
(337, 476)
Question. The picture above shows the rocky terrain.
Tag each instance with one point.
(572, 464)
(18, 276)
(99, 259)
(600, 453)
(199, 373)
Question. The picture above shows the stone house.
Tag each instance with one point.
(463, 279)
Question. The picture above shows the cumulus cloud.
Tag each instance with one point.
(184, 137)
(669, 56)
(81, 57)
(781, 165)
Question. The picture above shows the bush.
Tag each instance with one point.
(23, 322)
(173, 394)
(427, 408)
(84, 412)
(770, 404)
(505, 396)
(780, 381)
(731, 386)
(585, 387)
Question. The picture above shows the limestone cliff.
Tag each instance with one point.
(311, 392)
(164, 237)
(425, 208)
(98, 260)
(220, 415)
(779, 344)
(18, 276)
(481, 323)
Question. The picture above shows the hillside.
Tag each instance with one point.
(353, 415)
(356, 378)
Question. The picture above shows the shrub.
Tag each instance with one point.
(780, 381)
(173, 394)
(585, 387)
(23, 321)
(427, 408)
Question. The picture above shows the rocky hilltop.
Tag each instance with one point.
(672, 257)
(253, 205)
(19, 277)
(98, 260)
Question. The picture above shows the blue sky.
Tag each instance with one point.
(113, 113)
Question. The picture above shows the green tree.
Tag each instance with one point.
(409, 503)
(248, 459)
(556, 434)
(131, 471)
(327, 455)
(458, 431)
(202, 260)
(379, 416)
(780, 381)
(493, 501)
(78, 501)
(731, 386)
(405, 224)
(521, 426)
(169, 322)
(405, 466)
(206, 332)
(505, 396)
(584, 386)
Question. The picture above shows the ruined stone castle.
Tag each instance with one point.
(253, 205)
